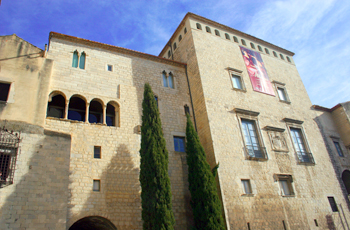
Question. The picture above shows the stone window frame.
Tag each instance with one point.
(243, 42)
(336, 139)
(217, 32)
(252, 116)
(288, 59)
(10, 86)
(98, 181)
(333, 204)
(78, 61)
(267, 51)
(198, 26)
(167, 74)
(109, 67)
(289, 180)
(281, 55)
(181, 136)
(236, 72)
(227, 36)
(275, 54)
(296, 124)
(251, 185)
(260, 48)
(252, 45)
(280, 85)
(99, 147)
(235, 39)
(207, 29)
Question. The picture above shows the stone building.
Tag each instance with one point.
(72, 116)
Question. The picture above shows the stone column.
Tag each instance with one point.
(87, 112)
(104, 107)
(66, 110)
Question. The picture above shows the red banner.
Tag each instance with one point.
(257, 72)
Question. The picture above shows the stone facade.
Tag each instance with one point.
(57, 169)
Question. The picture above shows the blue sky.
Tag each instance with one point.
(318, 31)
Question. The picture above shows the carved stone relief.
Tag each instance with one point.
(278, 141)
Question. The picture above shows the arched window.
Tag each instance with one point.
(171, 80)
(76, 109)
(267, 51)
(235, 39)
(227, 36)
(208, 29)
(185, 30)
(243, 42)
(180, 38)
(199, 26)
(75, 59)
(260, 49)
(112, 114)
(281, 56)
(165, 79)
(169, 54)
(288, 59)
(174, 45)
(82, 60)
(217, 33)
(346, 180)
(56, 106)
(275, 54)
(252, 45)
(95, 112)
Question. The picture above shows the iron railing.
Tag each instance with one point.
(305, 157)
(9, 143)
(255, 152)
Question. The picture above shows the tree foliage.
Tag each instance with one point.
(155, 184)
(206, 205)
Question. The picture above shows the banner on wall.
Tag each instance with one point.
(257, 72)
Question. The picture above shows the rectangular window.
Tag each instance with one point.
(333, 204)
(247, 189)
(179, 144)
(281, 94)
(337, 146)
(110, 68)
(97, 152)
(285, 182)
(299, 145)
(251, 138)
(4, 91)
(96, 185)
(236, 81)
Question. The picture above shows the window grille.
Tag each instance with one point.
(9, 143)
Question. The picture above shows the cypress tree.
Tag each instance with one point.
(206, 205)
(155, 184)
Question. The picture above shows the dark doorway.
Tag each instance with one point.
(346, 180)
(93, 223)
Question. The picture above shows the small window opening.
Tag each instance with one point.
(267, 51)
(282, 94)
(179, 144)
(169, 54)
(174, 45)
(4, 91)
(235, 39)
(199, 26)
(243, 42)
(227, 36)
(187, 109)
(95, 112)
(275, 54)
(217, 33)
(76, 109)
(316, 224)
(56, 107)
(185, 30)
(281, 56)
(165, 79)
(252, 45)
(96, 185)
(156, 98)
(82, 60)
(260, 49)
(288, 59)
(338, 148)
(180, 38)
(75, 59)
(236, 81)
(247, 189)
(171, 80)
(333, 204)
(208, 29)
(110, 68)
(97, 152)
(112, 113)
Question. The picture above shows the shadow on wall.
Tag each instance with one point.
(119, 197)
(332, 155)
(38, 199)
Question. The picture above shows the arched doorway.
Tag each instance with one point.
(346, 180)
(93, 223)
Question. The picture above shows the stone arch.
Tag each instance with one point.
(77, 108)
(56, 105)
(346, 180)
(96, 108)
(113, 114)
(93, 223)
